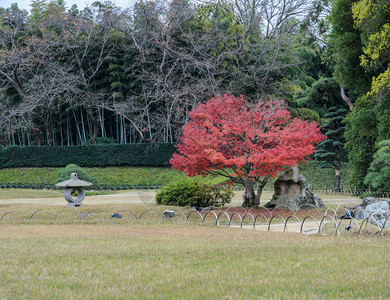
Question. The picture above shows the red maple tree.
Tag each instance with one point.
(246, 143)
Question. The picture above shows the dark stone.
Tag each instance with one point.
(168, 214)
(348, 215)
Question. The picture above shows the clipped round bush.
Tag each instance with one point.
(64, 174)
(193, 193)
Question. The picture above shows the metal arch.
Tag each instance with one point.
(269, 211)
(124, 210)
(303, 222)
(243, 208)
(350, 222)
(216, 208)
(384, 224)
(273, 217)
(368, 219)
(219, 215)
(230, 207)
(10, 213)
(283, 206)
(231, 217)
(215, 215)
(194, 211)
(334, 212)
(244, 216)
(254, 206)
(114, 209)
(308, 204)
(150, 210)
(40, 210)
(260, 214)
(344, 202)
(334, 221)
(236, 208)
(89, 208)
(184, 215)
(5, 208)
(187, 207)
(209, 212)
(285, 223)
(95, 210)
(376, 222)
(67, 209)
(347, 210)
(6, 213)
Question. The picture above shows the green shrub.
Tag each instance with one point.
(193, 193)
(369, 194)
(378, 175)
(64, 174)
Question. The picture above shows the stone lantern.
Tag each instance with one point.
(72, 185)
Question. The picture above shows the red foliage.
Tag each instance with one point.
(252, 140)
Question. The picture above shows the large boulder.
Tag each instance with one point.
(292, 193)
(378, 212)
(370, 200)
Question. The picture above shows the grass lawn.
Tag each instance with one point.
(32, 194)
(163, 260)
(147, 176)
(69, 258)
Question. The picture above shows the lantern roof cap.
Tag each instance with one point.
(74, 182)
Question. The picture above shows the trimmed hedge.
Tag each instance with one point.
(152, 155)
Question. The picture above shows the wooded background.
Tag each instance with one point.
(110, 75)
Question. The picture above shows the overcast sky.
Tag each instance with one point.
(25, 4)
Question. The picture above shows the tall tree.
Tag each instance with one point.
(345, 38)
(246, 143)
(361, 38)
(330, 152)
(373, 19)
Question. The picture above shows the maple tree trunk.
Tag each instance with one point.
(249, 194)
(258, 194)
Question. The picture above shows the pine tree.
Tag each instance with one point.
(330, 152)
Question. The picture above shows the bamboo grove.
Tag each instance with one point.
(69, 77)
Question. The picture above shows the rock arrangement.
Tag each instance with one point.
(292, 193)
(376, 209)
(370, 200)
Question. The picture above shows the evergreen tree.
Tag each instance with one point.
(346, 40)
(378, 176)
(331, 151)
(361, 134)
